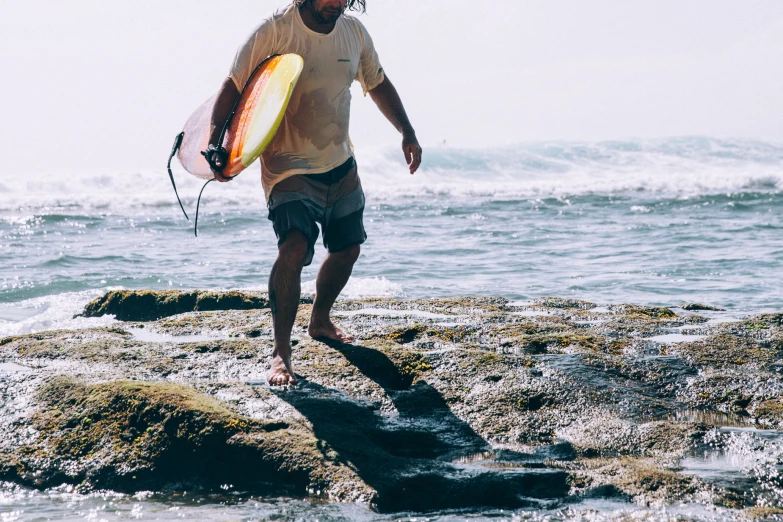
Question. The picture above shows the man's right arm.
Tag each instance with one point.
(226, 99)
(258, 46)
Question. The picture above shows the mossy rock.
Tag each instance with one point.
(765, 320)
(769, 413)
(764, 513)
(149, 305)
(557, 342)
(653, 312)
(449, 334)
(647, 482)
(392, 366)
(698, 307)
(407, 334)
(131, 436)
(725, 351)
(560, 302)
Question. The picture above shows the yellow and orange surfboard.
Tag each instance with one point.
(256, 119)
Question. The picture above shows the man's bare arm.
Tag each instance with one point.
(226, 98)
(388, 101)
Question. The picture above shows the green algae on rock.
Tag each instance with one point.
(655, 312)
(559, 302)
(131, 436)
(149, 305)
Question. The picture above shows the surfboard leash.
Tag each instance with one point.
(198, 204)
(174, 149)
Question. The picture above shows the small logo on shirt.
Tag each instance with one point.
(344, 60)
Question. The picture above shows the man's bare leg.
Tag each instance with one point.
(332, 277)
(284, 291)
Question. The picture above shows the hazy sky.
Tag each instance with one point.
(109, 83)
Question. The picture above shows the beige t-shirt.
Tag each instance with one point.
(313, 137)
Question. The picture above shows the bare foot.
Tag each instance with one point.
(281, 373)
(328, 331)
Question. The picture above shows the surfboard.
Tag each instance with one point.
(256, 118)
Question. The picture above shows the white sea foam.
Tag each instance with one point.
(757, 454)
(356, 288)
(681, 167)
(359, 288)
(52, 312)
(61, 311)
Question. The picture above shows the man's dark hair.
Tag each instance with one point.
(351, 5)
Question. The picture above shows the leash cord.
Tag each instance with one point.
(174, 149)
(198, 204)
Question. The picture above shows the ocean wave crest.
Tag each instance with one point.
(675, 167)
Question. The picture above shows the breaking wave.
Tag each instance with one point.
(674, 167)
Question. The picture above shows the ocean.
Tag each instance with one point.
(650, 222)
(657, 222)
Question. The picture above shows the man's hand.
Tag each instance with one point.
(226, 99)
(412, 151)
(216, 157)
(388, 101)
(221, 178)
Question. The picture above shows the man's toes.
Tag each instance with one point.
(346, 338)
(281, 379)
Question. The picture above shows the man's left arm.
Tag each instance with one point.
(388, 101)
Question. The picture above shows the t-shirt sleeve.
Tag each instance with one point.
(370, 73)
(258, 46)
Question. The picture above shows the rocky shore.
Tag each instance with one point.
(439, 404)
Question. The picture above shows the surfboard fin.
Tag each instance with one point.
(174, 149)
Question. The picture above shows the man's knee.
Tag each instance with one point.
(350, 254)
(295, 248)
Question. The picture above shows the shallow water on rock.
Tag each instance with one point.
(748, 460)
(62, 504)
(151, 336)
(675, 338)
(386, 312)
(8, 368)
(532, 313)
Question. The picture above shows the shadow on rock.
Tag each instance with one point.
(408, 460)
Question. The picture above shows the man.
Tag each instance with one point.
(308, 171)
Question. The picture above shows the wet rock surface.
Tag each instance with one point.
(439, 404)
(144, 305)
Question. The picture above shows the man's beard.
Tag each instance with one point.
(323, 18)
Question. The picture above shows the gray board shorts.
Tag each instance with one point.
(334, 200)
